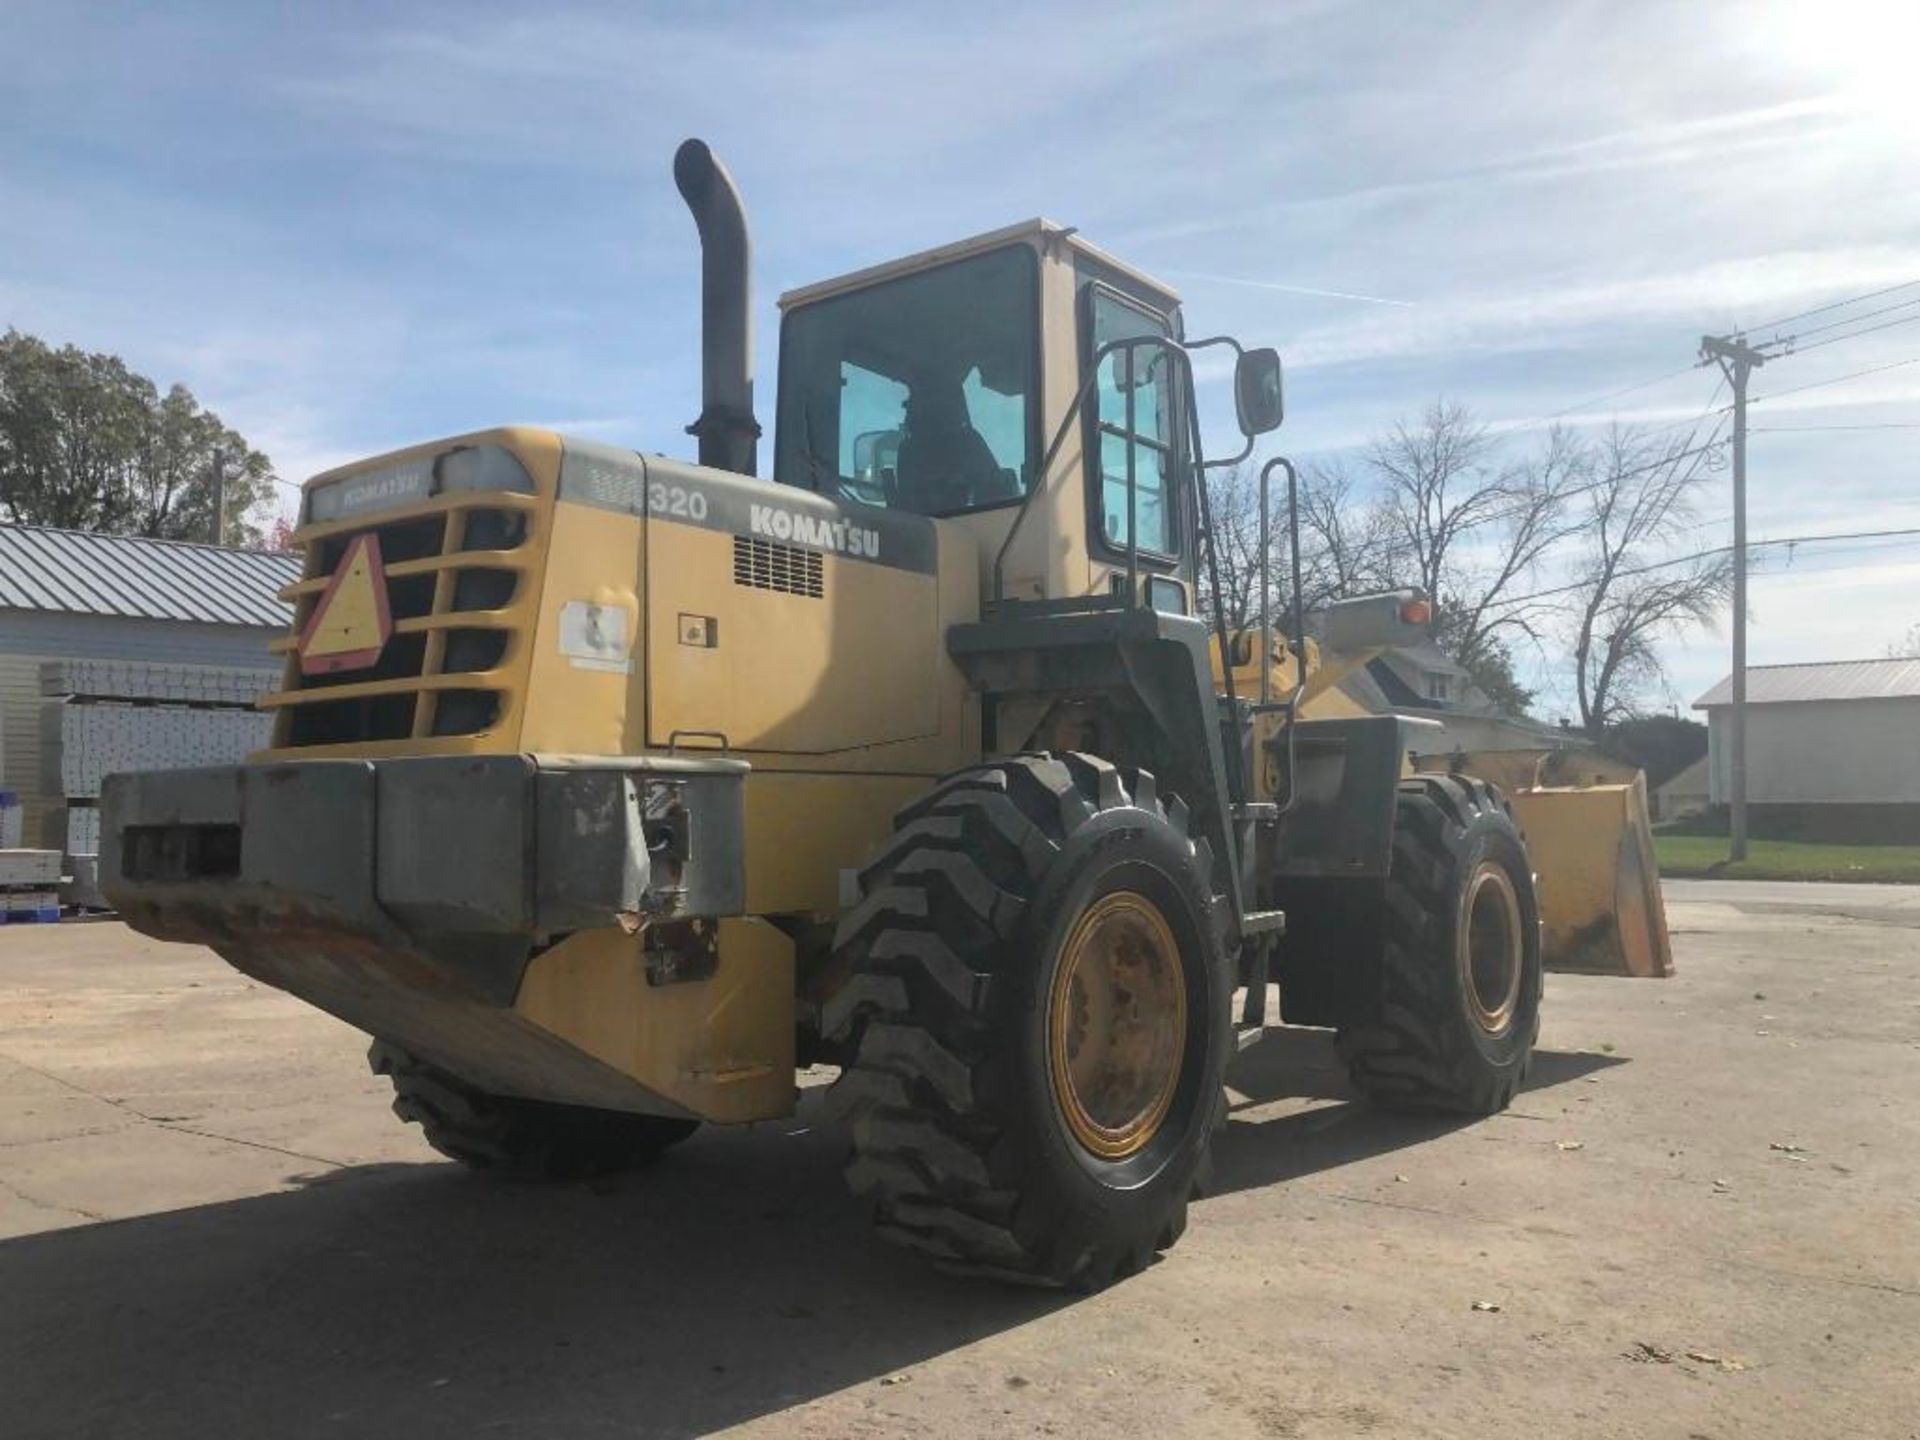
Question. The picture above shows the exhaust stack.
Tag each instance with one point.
(729, 435)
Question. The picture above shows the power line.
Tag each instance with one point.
(1835, 305)
(1709, 553)
(1391, 546)
(1385, 546)
(1610, 395)
(1808, 429)
(1694, 421)
(1850, 320)
(1836, 380)
(1853, 334)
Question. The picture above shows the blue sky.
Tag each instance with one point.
(352, 226)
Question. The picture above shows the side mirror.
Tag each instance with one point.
(874, 453)
(1256, 392)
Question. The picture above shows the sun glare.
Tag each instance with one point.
(1861, 51)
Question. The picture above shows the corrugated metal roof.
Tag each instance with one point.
(1821, 680)
(77, 572)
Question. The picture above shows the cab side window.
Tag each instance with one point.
(1148, 372)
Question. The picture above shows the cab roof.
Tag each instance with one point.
(1049, 237)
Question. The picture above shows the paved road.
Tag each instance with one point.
(213, 1227)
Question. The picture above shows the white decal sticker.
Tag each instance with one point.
(594, 637)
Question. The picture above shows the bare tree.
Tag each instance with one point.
(1469, 527)
(1639, 501)
(1344, 547)
(1233, 501)
(1907, 647)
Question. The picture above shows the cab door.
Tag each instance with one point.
(1137, 455)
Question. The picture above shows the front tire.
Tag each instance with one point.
(1460, 979)
(524, 1139)
(1037, 1023)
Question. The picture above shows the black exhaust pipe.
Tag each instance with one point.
(729, 435)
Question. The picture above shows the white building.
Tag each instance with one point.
(1834, 746)
(1420, 681)
(69, 595)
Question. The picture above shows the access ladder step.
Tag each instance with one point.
(1263, 922)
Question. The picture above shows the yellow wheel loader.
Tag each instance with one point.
(607, 789)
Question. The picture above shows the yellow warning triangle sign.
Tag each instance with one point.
(350, 625)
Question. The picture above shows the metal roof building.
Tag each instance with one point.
(76, 595)
(1836, 737)
(74, 572)
(1821, 680)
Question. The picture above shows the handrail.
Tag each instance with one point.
(1299, 643)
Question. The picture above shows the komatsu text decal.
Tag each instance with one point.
(681, 494)
(840, 536)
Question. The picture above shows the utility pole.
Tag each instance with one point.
(219, 497)
(1739, 360)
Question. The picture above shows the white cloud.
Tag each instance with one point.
(396, 227)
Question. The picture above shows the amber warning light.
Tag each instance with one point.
(1416, 612)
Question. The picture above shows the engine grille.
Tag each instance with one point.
(451, 575)
(769, 565)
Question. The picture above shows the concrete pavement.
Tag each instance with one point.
(1699, 1220)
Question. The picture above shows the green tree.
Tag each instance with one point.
(88, 444)
(1661, 745)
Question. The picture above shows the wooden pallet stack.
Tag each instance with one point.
(29, 886)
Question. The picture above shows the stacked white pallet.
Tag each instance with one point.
(29, 886)
(26, 869)
(142, 680)
(83, 830)
(98, 740)
(109, 716)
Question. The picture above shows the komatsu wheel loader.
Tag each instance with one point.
(607, 789)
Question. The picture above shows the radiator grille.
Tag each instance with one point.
(769, 565)
(445, 572)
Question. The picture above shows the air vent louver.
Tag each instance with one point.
(769, 565)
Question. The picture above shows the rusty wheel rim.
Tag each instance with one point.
(1117, 1025)
(1489, 948)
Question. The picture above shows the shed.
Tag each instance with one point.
(75, 595)
(1833, 748)
(1685, 793)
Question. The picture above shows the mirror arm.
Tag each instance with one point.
(1238, 350)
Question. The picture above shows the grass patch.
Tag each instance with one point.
(1705, 857)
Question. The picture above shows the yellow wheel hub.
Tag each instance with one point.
(1117, 1025)
(1489, 947)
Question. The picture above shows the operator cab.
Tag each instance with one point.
(936, 384)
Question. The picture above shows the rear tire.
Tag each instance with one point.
(525, 1139)
(1459, 1001)
(1037, 1023)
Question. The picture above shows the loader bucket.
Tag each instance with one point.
(1599, 888)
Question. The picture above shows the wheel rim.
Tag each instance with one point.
(1490, 948)
(1117, 1025)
